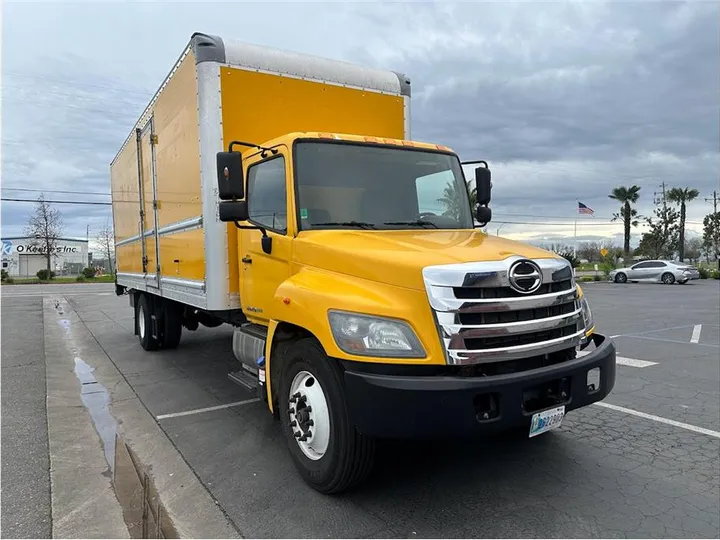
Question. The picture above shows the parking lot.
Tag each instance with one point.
(643, 463)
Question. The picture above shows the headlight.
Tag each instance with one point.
(366, 335)
(587, 314)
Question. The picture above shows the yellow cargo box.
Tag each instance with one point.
(168, 236)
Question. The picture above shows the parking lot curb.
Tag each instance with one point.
(145, 481)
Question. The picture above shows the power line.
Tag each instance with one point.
(69, 106)
(44, 92)
(56, 191)
(58, 202)
(76, 83)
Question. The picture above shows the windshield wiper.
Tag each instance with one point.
(418, 223)
(360, 224)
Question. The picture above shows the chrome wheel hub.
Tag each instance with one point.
(141, 322)
(309, 415)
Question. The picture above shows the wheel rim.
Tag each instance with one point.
(621, 278)
(667, 278)
(309, 415)
(141, 322)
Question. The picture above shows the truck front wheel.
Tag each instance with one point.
(328, 451)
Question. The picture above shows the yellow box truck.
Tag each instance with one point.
(282, 194)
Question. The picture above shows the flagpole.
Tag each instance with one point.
(575, 249)
(577, 209)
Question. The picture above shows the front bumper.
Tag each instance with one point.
(391, 406)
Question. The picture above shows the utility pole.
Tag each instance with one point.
(714, 200)
(662, 199)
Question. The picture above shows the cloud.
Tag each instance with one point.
(565, 100)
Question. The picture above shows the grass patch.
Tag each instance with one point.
(59, 280)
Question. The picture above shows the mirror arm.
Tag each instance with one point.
(273, 151)
(251, 227)
(476, 162)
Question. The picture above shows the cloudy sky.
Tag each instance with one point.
(565, 100)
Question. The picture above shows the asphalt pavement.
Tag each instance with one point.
(25, 459)
(644, 463)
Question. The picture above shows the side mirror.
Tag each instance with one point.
(233, 211)
(231, 184)
(483, 214)
(483, 187)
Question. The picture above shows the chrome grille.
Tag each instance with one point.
(493, 311)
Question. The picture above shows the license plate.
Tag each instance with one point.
(546, 420)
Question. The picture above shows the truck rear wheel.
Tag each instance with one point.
(172, 325)
(328, 451)
(144, 324)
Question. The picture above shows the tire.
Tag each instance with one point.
(172, 325)
(340, 457)
(620, 277)
(667, 278)
(144, 322)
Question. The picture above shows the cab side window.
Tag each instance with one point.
(267, 198)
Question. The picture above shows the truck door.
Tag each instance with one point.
(261, 273)
(147, 172)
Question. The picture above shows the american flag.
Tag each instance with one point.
(584, 209)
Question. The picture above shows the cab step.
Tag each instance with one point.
(245, 379)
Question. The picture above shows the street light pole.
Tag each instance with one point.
(714, 200)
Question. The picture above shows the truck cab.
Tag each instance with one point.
(382, 310)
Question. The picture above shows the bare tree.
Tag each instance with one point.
(45, 228)
(106, 238)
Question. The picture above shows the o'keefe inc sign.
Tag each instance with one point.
(8, 248)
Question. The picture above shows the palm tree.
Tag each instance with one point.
(682, 196)
(473, 197)
(450, 201)
(626, 196)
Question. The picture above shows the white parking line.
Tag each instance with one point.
(651, 331)
(632, 362)
(673, 341)
(660, 419)
(696, 333)
(206, 409)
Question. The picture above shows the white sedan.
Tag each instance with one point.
(667, 272)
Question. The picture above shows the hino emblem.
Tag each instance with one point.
(525, 276)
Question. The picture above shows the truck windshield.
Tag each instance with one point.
(357, 186)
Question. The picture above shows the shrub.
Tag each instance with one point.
(8, 280)
(597, 277)
(585, 279)
(45, 274)
(88, 273)
(4, 274)
(715, 274)
(704, 273)
(607, 266)
(80, 279)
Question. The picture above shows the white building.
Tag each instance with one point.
(24, 256)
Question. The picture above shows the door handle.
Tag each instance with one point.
(247, 260)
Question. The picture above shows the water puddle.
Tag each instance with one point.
(144, 514)
(96, 399)
(65, 324)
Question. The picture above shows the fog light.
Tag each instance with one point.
(593, 380)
